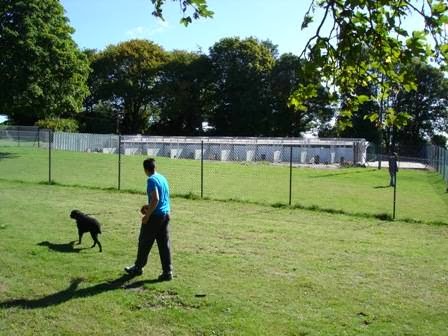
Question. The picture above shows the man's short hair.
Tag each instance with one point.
(149, 164)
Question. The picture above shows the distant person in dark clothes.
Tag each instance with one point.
(393, 168)
(155, 223)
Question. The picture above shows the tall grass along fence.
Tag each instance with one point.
(260, 170)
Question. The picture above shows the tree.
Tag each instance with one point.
(240, 88)
(358, 122)
(439, 140)
(123, 80)
(181, 94)
(426, 107)
(99, 117)
(58, 124)
(356, 26)
(43, 73)
(376, 27)
(287, 120)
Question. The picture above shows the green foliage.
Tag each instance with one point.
(240, 91)
(362, 123)
(198, 8)
(368, 46)
(426, 107)
(43, 74)
(59, 124)
(125, 76)
(241, 88)
(422, 113)
(291, 114)
(100, 117)
(439, 140)
(181, 94)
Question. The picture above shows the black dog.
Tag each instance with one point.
(87, 224)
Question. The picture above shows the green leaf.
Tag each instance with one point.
(186, 21)
(372, 117)
(306, 21)
(362, 99)
(439, 8)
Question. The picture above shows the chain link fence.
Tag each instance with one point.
(438, 160)
(408, 157)
(258, 170)
(219, 168)
(22, 136)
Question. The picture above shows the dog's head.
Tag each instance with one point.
(75, 214)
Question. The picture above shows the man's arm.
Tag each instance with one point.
(151, 206)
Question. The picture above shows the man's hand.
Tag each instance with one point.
(144, 209)
(145, 219)
(147, 210)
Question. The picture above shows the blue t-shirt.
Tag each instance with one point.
(159, 181)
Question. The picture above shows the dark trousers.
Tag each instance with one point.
(393, 179)
(156, 229)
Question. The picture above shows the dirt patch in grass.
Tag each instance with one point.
(159, 299)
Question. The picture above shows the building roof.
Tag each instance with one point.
(245, 140)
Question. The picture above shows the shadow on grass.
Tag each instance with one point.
(348, 172)
(64, 248)
(382, 187)
(72, 292)
(6, 155)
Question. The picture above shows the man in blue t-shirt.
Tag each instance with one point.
(155, 223)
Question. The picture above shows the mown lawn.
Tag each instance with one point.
(241, 269)
(421, 195)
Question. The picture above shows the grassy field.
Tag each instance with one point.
(358, 191)
(241, 269)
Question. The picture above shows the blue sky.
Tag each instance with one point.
(99, 23)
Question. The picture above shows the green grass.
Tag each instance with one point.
(358, 191)
(18, 143)
(263, 270)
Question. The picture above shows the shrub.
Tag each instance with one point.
(59, 124)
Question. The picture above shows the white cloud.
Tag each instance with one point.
(145, 32)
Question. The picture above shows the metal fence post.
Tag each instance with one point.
(202, 168)
(290, 175)
(119, 162)
(395, 196)
(50, 138)
(18, 136)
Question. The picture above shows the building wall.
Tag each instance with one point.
(276, 150)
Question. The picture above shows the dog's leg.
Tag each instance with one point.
(80, 237)
(96, 241)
